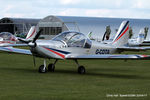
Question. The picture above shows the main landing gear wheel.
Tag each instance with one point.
(81, 70)
(42, 69)
(51, 67)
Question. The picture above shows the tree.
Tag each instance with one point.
(145, 31)
(130, 32)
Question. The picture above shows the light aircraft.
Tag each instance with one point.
(73, 45)
(139, 40)
(7, 38)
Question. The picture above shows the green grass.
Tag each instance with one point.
(19, 80)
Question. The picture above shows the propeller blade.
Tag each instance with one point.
(23, 40)
(37, 36)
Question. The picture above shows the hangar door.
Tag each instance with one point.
(7, 28)
(50, 28)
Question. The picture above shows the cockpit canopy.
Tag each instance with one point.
(73, 39)
(6, 36)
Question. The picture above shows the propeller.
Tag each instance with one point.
(32, 44)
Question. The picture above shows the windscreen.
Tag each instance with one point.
(73, 39)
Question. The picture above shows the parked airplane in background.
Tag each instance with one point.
(138, 41)
(7, 38)
(75, 45)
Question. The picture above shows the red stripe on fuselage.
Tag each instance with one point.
(55, 52)
(122, 33)
(144, 55)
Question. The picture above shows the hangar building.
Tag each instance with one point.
(17, 25)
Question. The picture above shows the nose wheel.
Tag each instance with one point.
(42, 69)
(51, 67)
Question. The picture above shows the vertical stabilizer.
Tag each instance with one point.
(122, 35)
(141, 35)
(31, 34)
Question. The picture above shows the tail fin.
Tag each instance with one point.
(122, 35)
(141, 36)
(89, 35)
(32, 33)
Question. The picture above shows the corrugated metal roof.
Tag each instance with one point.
(21, 22)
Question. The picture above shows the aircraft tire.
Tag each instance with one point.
(41, 69)
(81, 70)
(51, 67)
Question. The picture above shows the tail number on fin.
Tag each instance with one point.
(102, 51)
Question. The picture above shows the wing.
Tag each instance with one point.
(15, 50)
(14, 45)
(124, 48)
(124, 57)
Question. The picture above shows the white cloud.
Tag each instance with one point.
(70, 11)
(8, 8)
(67, 2)
(16, 15)
(141, 4)
(95, 8)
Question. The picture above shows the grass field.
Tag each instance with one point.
(19, 80)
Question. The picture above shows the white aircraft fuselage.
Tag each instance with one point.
(58, 50)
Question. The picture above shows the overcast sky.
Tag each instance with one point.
(95, 8)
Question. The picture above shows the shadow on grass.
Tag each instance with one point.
(106, 75)
(69, 72)
(19, 70)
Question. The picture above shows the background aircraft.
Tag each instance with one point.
(75, 45)
(140, 40)
(7, 38)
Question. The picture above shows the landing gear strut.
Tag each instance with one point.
(51, 67)
(81, 69)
